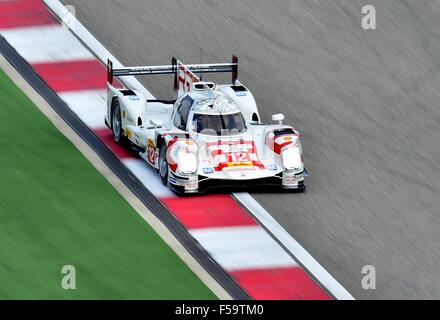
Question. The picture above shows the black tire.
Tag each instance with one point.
(163, 164)
(116, 120)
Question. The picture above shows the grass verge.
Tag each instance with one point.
(56, 209)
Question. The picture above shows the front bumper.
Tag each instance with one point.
(202, 184)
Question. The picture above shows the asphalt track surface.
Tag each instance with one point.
(366, 103)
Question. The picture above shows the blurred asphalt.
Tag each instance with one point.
(366, 102)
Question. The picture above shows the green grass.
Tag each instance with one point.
(56, 209)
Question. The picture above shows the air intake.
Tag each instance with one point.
(201, 86)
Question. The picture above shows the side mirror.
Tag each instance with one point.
(278, 117)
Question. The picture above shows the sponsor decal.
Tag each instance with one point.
(134, 98)
(237, 153)
(153, 153)
(241, 94)
(241, 169)
(128, 133)
(272, 166)
(208, 170)
(240, 164)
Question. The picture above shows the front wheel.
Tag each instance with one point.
(118, 135)
(163, 164)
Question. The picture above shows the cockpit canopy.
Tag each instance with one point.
(209, 112)
(218, 124)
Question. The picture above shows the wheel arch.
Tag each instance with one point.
(160, 141)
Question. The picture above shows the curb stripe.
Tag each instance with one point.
(89, 105)
(208, 211)
(53, 43)
(73, 75)
(21, 13)
(280, 284)
(240, 248)
(106, 136)
(148, 177)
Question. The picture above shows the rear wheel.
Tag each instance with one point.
(118, 135)
(163, 164)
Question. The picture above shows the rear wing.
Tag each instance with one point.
(184, 75)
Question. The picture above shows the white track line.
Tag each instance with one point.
(293, 246)
(277, 231)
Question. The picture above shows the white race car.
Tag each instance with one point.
(209, 136)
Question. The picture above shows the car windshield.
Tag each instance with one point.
(219, 124)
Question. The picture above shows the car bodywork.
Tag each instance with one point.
(209, 136)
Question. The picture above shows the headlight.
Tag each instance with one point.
(291, 156)
(183, 154)
(187, 162)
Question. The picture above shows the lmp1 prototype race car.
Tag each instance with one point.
(209, 136)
